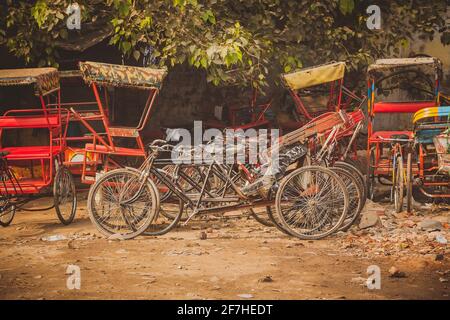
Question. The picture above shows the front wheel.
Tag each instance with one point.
(120, 203)
(64, 195)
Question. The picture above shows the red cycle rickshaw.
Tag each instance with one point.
(397, 88)
(32, 168)
(106, 142)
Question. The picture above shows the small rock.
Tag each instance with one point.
(203, 235)
(56, 237)
(242, 253)
(439, 257)
(245, 295)
(71, 245)
(369, 219)
(396, 273)
(443, 280)
(441, 239)
(266, 279)
(38, 277)
(430, 225)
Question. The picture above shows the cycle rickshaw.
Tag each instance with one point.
(430, 175)
(108, 145)
(397, 88)
(34, 168)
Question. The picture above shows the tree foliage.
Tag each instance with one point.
(234, 41)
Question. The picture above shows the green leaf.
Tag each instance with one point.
(136, 54)
(346, 6)
(63, 33)
(126, 46)
(204, 62)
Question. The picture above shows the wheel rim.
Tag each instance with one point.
(371, 176)
(120, 204)
(312, 202)
(409, 183)
(64, 195)
(7, 212)
(355, 196)
(398, 185)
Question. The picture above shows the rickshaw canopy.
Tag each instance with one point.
(309, 77)
(122, 76)
(381, 65)
(431, 113)
(44, 80)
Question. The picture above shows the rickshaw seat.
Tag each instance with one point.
(380, 135)
(37, 121)
(100, 148)
(402, 107)
(31, 152)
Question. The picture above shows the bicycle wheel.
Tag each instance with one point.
(168, 215)
(64, 195)
(120, 203)
(262, 216)
(312, 202)
(409, 184)
(355, 196)
(164, 192)
(7, 212)
(358, 174)
(370, 179)
(398, 183)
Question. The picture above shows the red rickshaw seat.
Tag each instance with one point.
(31, 152)
(38, 121)
(402, 107)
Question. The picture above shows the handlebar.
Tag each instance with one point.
(160, 145)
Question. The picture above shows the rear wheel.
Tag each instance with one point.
(355, 194)
(398, 184)
(370, 179)
(7, 213)
(262, 216)
(64, 195)
(409, 184)
(311, 203)
(358, 174)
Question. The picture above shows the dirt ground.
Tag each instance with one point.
(239, 259)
